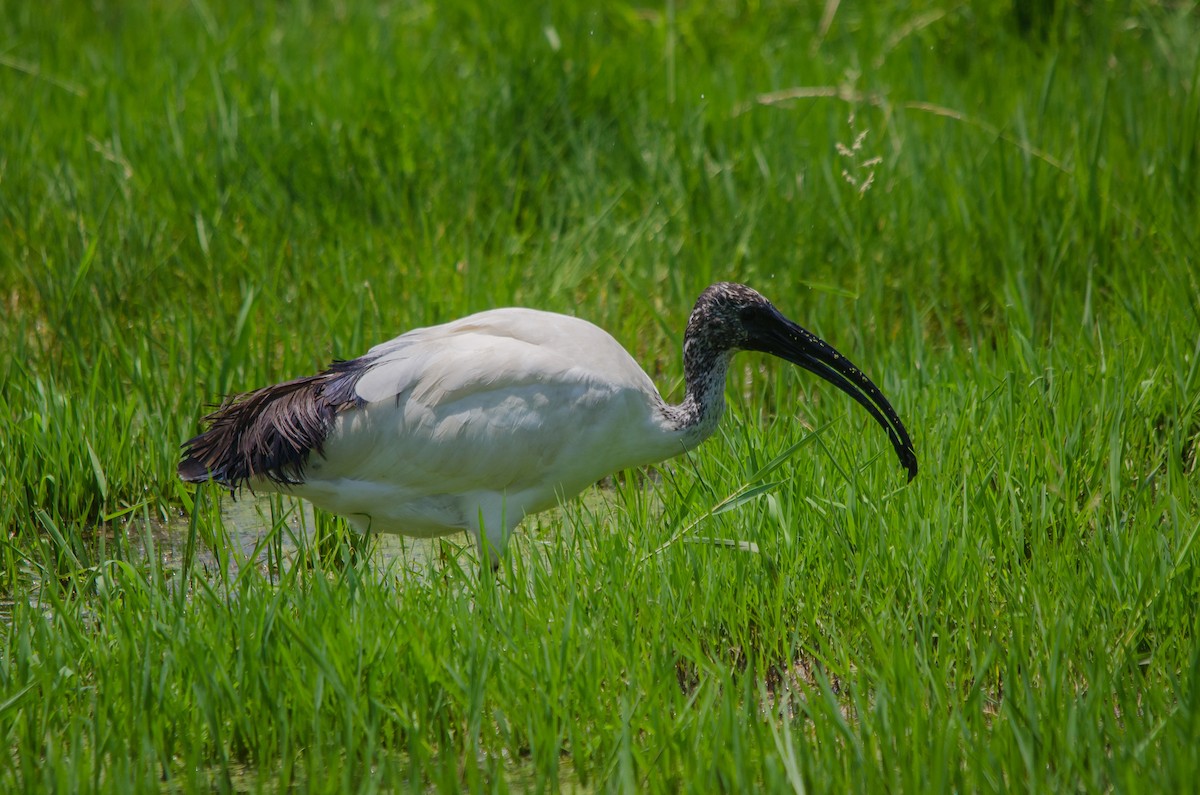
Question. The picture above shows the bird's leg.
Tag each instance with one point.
(488, 554)
(492, 530)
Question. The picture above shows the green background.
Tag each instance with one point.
(992, 208)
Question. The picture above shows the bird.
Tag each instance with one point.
(475, 424)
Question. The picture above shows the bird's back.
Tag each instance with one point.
(529, 343)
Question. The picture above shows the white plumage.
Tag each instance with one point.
(483, 417)
(475, 424)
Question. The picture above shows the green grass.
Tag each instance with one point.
(199, 198)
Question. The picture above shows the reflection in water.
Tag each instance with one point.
(273, 530)
(254, 523)
(272, 533)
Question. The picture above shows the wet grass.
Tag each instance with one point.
(994, 214)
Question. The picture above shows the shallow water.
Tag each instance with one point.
(270, 532)
(253, 523)
(248, 520)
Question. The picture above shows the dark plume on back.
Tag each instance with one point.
(270, 432)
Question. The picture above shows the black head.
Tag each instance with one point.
(730, 317)
(723, 316)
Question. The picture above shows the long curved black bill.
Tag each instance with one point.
(790, 341)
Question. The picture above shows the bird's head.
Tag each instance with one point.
(732, 317)
(726, 315)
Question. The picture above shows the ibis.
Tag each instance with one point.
(475, 424)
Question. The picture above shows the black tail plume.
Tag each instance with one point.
(270, 432)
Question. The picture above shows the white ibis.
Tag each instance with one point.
(475, 424)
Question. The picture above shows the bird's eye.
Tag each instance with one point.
(749, 315)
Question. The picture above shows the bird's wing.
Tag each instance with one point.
(507, 400)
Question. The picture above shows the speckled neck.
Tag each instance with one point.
(704, 368)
